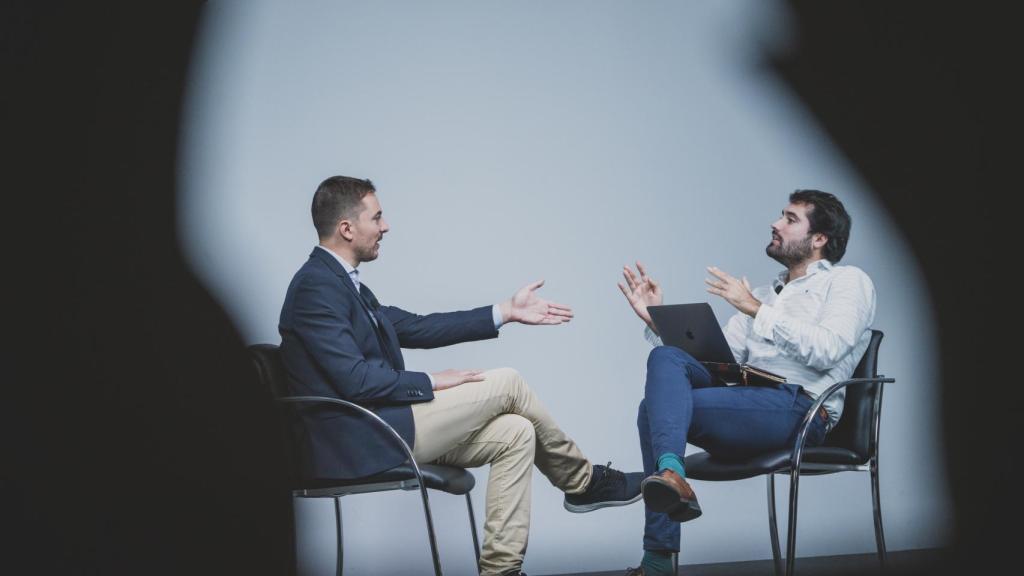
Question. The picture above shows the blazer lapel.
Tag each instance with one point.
(390, 336)
(386, 335)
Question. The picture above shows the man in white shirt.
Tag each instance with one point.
(811, 325)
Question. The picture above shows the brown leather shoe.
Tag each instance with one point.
(669, 492)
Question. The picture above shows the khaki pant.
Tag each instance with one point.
(500, 421)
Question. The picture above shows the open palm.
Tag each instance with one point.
(528, 308)
(641, 291)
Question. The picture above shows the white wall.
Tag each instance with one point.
(560, 140)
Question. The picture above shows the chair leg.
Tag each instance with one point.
(794, 489)
(773, 526)
(472, 528)
(430, 529)
(675, 563)
(877, 505)
(337, 530)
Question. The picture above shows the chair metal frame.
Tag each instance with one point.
(796, 467)
(336, 492)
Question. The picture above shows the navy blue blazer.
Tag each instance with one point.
(331, 347)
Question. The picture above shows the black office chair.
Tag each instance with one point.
(408, 476)
(851, 446)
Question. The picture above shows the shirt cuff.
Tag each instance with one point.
(764, 322)
(431, 378)
(496, 315)
(651, 337)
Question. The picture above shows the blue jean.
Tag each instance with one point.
(682, 404)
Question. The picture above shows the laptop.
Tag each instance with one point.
(694, 328)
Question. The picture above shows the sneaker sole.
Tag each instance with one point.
(581, 508)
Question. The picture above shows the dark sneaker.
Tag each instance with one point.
(669, 492)
(608, 487)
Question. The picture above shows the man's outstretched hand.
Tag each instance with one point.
(526, 307)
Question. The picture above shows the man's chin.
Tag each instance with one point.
(369, 256)
(775, 254)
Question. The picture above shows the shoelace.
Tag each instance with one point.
(611, 477)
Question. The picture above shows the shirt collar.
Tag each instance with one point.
(822, 265)
(353, 273)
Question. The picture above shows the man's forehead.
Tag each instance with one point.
(798, 210)
(371, 203)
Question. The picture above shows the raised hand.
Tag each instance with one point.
(526, 307)
(734, 290)
(451, 378)
(641, 291)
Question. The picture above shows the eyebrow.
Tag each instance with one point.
(790, 213)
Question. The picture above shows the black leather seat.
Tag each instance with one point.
(851, 446)
(407, 476)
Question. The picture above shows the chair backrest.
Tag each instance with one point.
(274, 379)
(856, 426)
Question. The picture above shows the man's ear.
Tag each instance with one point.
(344, 229)
(819, 240)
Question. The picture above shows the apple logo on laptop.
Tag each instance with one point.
(689, 334)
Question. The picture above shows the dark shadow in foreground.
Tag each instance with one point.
(135, 438)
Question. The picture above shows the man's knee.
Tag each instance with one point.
(661, 355)
(518, 432)
(507, 380)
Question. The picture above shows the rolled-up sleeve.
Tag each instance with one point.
(848, 310)
(651, 337)
(736, 330)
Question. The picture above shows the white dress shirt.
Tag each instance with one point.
(814, 331)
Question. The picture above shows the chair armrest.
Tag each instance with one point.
(805, 426)
(346, 405)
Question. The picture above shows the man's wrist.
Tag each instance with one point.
(505, 309)
(497, 316)
(753, 307)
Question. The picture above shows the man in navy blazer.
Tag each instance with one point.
(337, 340)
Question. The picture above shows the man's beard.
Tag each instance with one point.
(367, 253)
(791, 253)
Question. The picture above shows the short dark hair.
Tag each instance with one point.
(827, 216)
(336, 198)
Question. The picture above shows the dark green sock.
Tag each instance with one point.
(673, 462)
(657, 563)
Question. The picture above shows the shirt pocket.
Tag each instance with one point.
(805, 305)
